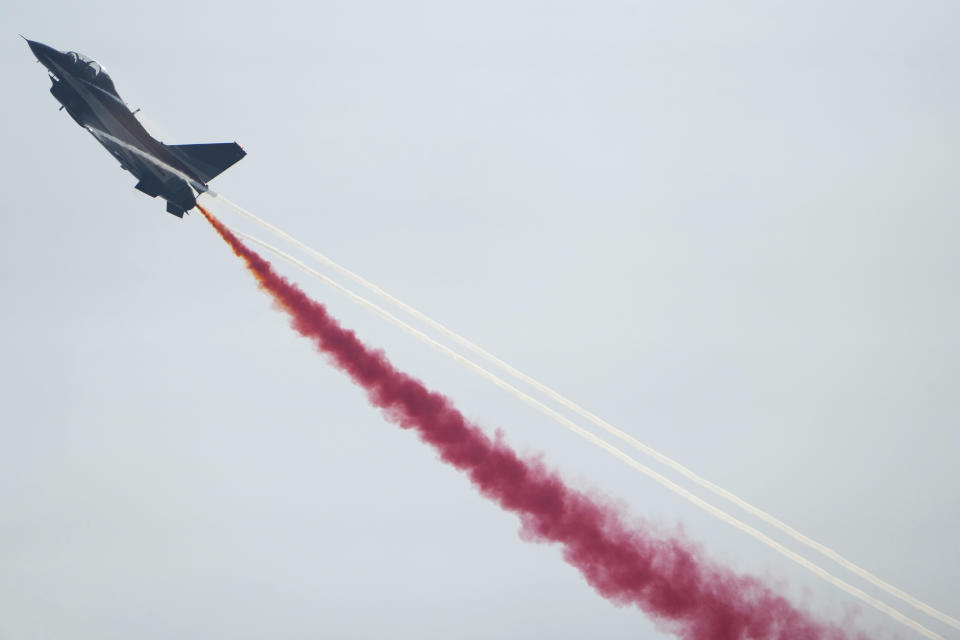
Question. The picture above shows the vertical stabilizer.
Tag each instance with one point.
(208, 160)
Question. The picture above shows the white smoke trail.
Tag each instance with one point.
(603, 444)
(653, 453)
(766, 517)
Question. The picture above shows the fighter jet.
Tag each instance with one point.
(171, 171)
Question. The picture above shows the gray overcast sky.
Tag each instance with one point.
(729, 228)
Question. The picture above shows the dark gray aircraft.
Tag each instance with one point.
(85, 90)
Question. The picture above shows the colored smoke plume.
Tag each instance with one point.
(666, 578)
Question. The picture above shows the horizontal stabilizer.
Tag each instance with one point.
(209, 160)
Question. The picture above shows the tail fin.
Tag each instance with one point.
(209, 160)
(175, 209)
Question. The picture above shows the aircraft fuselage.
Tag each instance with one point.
(170, 171)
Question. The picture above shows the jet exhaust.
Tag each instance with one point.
(594, 439)
(666, 578)
(606, 426)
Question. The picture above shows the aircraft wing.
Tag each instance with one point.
(128, 160)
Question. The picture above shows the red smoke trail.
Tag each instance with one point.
(666, 578)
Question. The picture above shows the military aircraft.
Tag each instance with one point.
(172, 171)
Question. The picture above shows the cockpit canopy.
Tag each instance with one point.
(91, 71)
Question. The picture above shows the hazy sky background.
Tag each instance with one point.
(729, 228)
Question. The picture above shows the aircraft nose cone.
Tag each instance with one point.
(40, 50)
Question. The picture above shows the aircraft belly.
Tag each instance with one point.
(109, 121)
